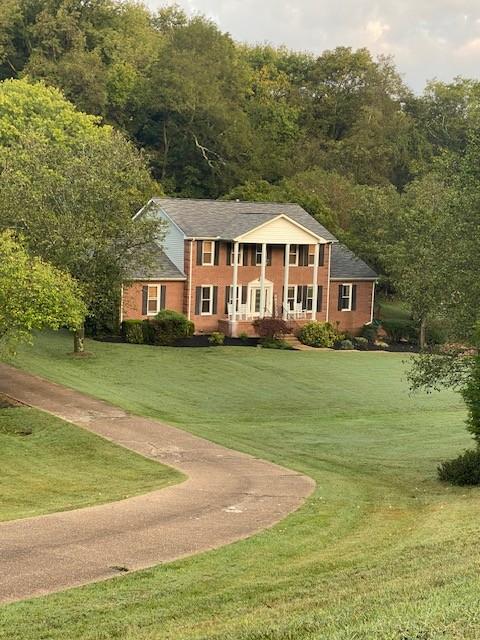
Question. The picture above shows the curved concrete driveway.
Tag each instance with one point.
(227, 496)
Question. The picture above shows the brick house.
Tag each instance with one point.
(225, 263)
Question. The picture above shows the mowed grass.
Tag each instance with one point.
(48, 465)
(382, 549)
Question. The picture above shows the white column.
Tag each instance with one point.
(262, 280)
(286, 270)
(315, 281)
(235, 282)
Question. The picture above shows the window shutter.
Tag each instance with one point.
(227, 298)
(215, 299)
(299, 294)
(163, 296)
(354, 297)
(321, 255)
(229, 253)
(339, 297)
(199, 251)
(198, 300)
(216, 253)
(304, 255)
(319, 297)
(254, 255)
(244, 294)
(269, 255)
(304, 293)
(245, 255)
(144, 301)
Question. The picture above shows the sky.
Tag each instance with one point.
(427, 38)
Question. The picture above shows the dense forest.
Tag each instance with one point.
(340, 133)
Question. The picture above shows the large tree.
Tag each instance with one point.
(33, 295)
(71, 187)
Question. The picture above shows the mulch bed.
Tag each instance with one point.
(193, 341)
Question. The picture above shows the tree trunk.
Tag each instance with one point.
(423, 333)
(79, 340)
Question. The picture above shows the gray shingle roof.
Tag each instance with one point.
(345, 264)
(227, 219)
(161, 267)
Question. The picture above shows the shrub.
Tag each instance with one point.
(318, 334)
(370, 331)
(274, 343)
(381, 344)
(344, 345)
(167, 327)
(132, 331)
(436, 333)
(360, 343)
(148, 332)
(243, 337)
(471, 395)
(401, 330)
(464, 470)
(216, 338)
(271, 327)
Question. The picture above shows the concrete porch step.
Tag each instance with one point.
(295, 343)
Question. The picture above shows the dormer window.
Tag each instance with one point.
(208, 252)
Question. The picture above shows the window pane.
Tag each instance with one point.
(152, 306)
(152, 292)
(257, 300)
(293, 254)
(207, 252)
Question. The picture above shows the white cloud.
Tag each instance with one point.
(428, 38)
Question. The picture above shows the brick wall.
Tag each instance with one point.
(351, 321)
(132, 298)
(222, 276)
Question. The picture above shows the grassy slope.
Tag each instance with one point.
(382, 550)
(49, 465)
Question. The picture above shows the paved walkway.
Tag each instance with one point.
(227, 496)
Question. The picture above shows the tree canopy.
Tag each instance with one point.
(70, 186)
(33, 295)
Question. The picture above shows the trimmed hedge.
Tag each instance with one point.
(167, 327)
(132, 331)
(318, 334)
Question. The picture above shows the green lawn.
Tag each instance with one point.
(381, 551)
(49, 465)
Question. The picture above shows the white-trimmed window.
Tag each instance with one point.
(311, 255)
(239, 297)
(208, 252)
(345, 297)
(206, 300)
(291, 297)
(258, 255)
(153, 299)
(308, 303)
(240, 255)
(300, 294)
(293, 255)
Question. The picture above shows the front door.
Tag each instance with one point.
(254, 300)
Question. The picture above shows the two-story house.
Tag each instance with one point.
(226, 263)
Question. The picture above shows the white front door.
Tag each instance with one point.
(254, 300)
